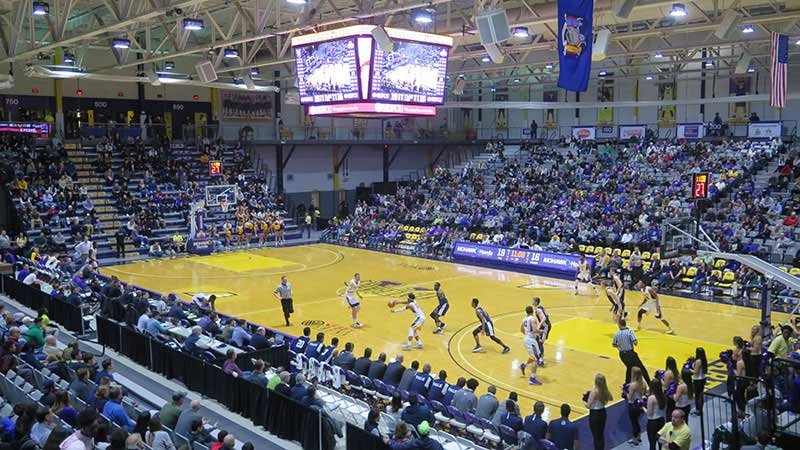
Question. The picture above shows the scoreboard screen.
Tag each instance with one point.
(215, 167)
(327, 72)
(700, 186)
(412, 72)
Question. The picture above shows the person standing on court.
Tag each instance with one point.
(625, 341)
(284, 293)
(308, 223)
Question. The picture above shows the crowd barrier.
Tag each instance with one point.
(279, 415)
(358, 438)
(66, 314)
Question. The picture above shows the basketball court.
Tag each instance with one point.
(579, 345)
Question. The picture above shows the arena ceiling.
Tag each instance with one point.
(649, 42)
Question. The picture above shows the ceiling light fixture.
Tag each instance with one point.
(230, 53)
(169, 65)
(659, 55)
(678, 10)
(751, 70)
(121, 43)
(648, 77)
(748, 29)
(41, 8)
(521, 32)
(423, 16)
(548, 66)
(190, 23)
(487, 59)
(297, 2)
(602, 73)
(69, 58)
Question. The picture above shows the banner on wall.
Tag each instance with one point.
(666, 113)
(764, 130)
(739, 112)
(605, 93)
(690, 131)
(247, 105)
(584, 133)
(628, 132)
(550, 120)
(605, 131)
(574, 44)
(501, 120)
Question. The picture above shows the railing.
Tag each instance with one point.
(269, 132)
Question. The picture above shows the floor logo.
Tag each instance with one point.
(417, 266)
(327, 327)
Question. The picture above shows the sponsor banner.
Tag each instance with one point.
(587, 133)
(519, 257)
(690, 131)
(200, 246)
(764, 130)
(606, 131)
(41, 129)
(627, 132)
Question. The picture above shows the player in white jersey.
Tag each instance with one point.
(531, 329)
(416, 325)
(651, 303)
(350, 293)
(584, 275)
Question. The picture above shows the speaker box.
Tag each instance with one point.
(730, 25)
(494, 52)
(623, 8)
(493, 26)
(600, 44)
(743, 63)
(382, 39)
(205, 70)
(459, 87)
(152, 76)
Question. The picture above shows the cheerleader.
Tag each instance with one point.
(636, 390)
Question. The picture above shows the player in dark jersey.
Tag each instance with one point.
(486, 327)
(440, 310)
(544, 326)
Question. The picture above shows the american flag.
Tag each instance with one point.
(779, 57)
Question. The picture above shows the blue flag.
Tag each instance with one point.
(574, 44)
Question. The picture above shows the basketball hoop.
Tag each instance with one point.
(223, 204)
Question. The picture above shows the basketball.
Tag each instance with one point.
(392, 303)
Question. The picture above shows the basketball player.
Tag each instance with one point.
(284, 293)
(619, 287)
(416, 325)
(617, 308)
(350, 293)
(440, 310)
(652, 302)
(584, 275)
(486, 327)
(531, 328)
(544, 326)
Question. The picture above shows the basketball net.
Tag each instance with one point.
(224, 205)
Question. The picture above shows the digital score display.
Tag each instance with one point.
(556, 262)
(412, 72)
(215, 167)
(700, 186)
(327, 72)
(41, 129)
(344, 72)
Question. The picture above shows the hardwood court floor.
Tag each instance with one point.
(579, 345)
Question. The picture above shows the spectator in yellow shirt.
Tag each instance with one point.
(780, 346)
(676, 435)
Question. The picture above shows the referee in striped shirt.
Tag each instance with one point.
(625, 341)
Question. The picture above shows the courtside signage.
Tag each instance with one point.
(764, 130)
(690, 131)
(586, 133)
(535, 259)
